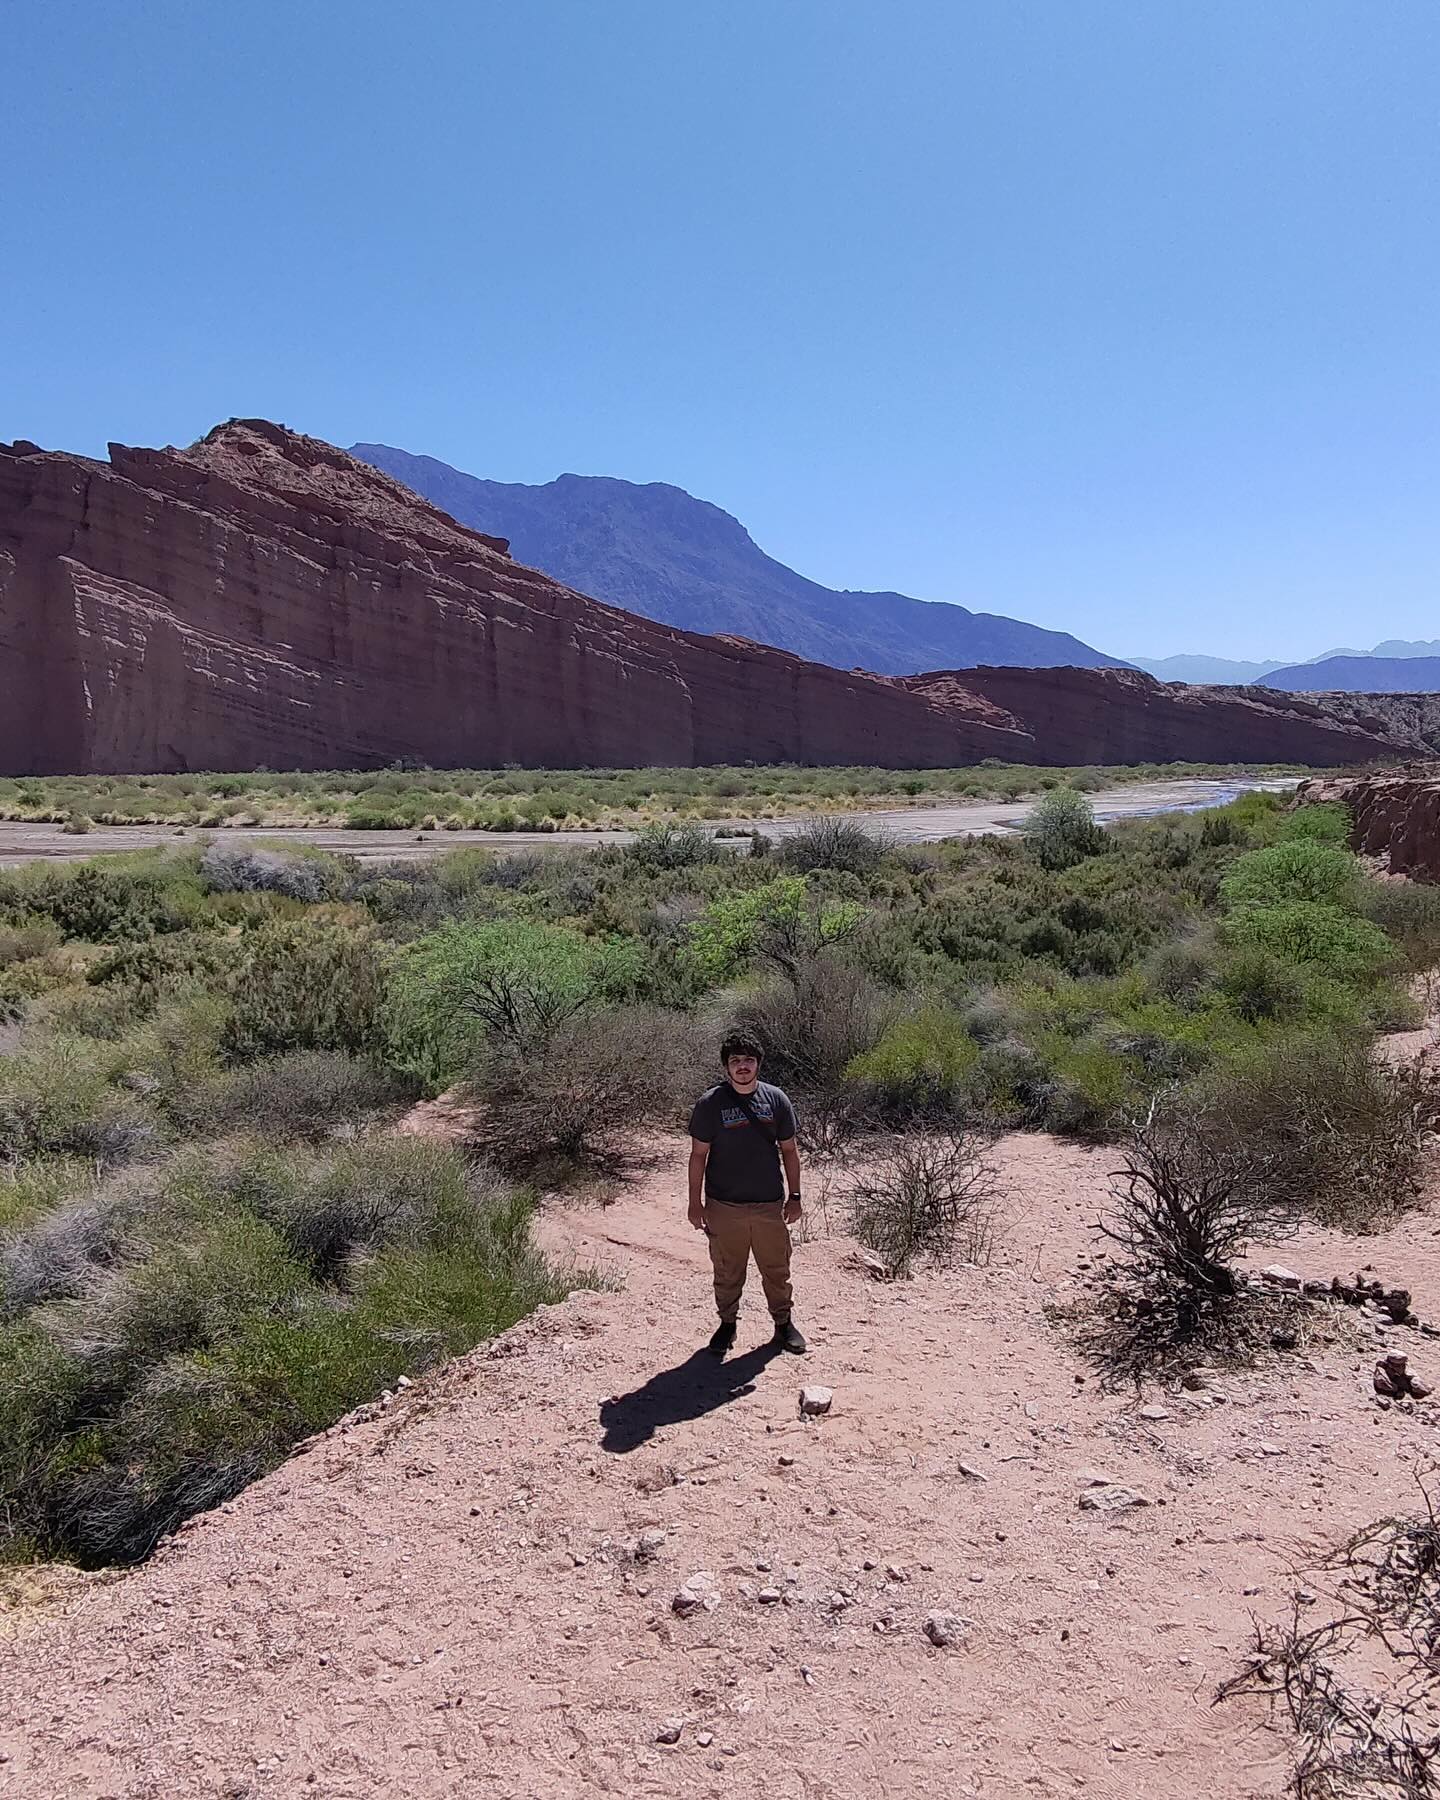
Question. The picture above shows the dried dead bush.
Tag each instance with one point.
(931, 1198)
(1352, 1134)
(1351, 1745)
(601, 1079)
(813, 1019)
(1359, 1689)
(1193, 1190)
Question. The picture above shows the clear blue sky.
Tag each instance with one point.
(1119, 317)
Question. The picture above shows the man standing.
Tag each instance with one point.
(741, 1133)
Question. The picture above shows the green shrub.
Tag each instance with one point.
(515, 983)
(306, 1094)
(1259, 986)
(1300, 871)
(57, 1097)
(779, 921)
(925, 1058)
(1408, 912)
(156, 969)
(670, 846)
(1351, 1132)
(1322, 824)
(27, 939)
(113, 899)
(1060, 829)
(1335, 943)
(1090, 1088)
(306, 985)
(185, 1365)
(30, 1189)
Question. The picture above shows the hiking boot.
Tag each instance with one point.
(788, 1338)
(724, 1338)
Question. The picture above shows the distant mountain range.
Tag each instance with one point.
(1360, 675)
(1227, 672)
(657, 551)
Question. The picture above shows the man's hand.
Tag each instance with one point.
(793, 1210)
(696, 1215)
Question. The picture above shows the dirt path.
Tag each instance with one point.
(442, 1599)
(916, 824)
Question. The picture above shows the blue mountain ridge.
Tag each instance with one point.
(658, 551)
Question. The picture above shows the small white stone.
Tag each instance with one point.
(1113, 1497)
(698, 1591)
(815, 1400)
(944, 1628)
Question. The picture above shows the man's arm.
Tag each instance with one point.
(699, 1156)
(790, 1156)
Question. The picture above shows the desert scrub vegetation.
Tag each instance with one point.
(212, 1244)
(409, 798)
(167, 1336)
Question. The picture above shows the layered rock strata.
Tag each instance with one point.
(261, 599)
(1394, 817)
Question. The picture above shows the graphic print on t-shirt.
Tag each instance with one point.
(733, 1116)
(743, 1135)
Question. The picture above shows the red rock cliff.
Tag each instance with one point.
(1124, 716)
(262, 599)
(1393, 816)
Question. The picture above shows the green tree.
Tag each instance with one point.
(513, 982)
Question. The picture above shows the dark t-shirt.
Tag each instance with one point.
(744, 1164)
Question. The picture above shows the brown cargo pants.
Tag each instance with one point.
(734, 1233)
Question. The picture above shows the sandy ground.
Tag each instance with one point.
(442, 1598)
(918, 824)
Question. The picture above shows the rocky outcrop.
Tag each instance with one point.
(1395, 817)
(1125, 716)
(262, 599)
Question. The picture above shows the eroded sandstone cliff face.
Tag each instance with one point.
(1396, 817)
(261, 599)
(1125, 716)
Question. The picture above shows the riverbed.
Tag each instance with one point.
(922, 824)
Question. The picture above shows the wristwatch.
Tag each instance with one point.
(794, 1194)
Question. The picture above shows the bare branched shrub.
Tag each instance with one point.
(831, 841)
(1380, 1737)
(931, 1198)
(1350, 1744)
(1192, 1191)
(815, 1019)
(600, 1080)
(1352, 1133)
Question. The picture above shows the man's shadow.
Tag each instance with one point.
(700, 1384)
